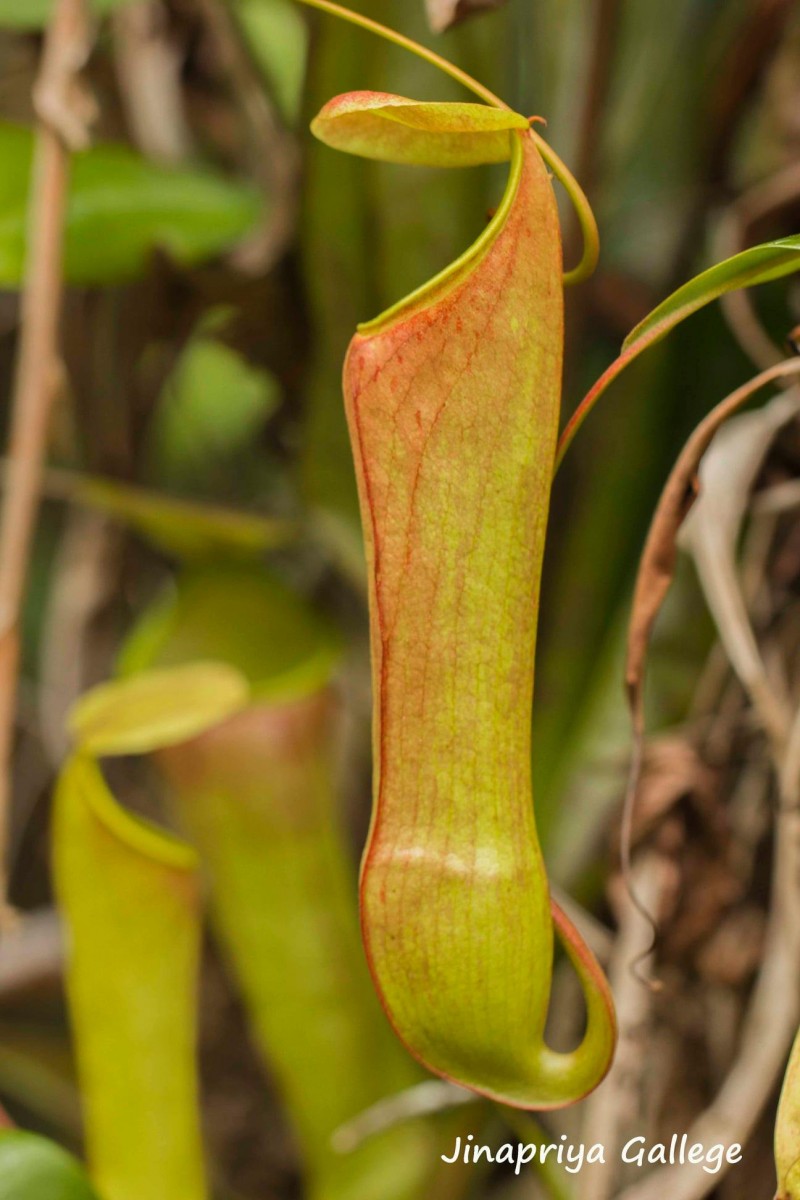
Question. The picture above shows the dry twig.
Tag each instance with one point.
(443, 14)
(615, 1103)
(273, 150)
(31, 956)
(654, 578)
(771, 1019)
(64, 113)
(149, 73)
(769, 1026)
(71, 658)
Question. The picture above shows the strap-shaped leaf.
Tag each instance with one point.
(394, 129)
(31, 1168)
(759, 264)
(452, 400)
(184, 528)
(130, 899)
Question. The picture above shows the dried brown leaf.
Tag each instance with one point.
(657, 565)
(711, 532)
(656, 571)
(733, 952)
(443, 14)
(672, 771)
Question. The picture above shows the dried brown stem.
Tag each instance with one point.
(149, 74)
(32, 956)
(771, 1019)
(75, 654)
(769, 1027)
(444, 14)
(63, 114)
(274, 153)
(616, 1102)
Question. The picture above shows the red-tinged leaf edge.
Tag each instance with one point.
(390, 128)
(463, 135)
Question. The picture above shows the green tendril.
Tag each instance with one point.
(583, 210)
(399, 39)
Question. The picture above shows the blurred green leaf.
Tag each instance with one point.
(34, 14)
(158, 708)
(184, 528)
(32, 1168)
(121, 209)
(213, 405)
(130, 898)
(37, 1070)
(278, 39)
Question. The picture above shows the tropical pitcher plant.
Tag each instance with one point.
(453, 400)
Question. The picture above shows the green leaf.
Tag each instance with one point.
(34, 14)
(277, 37)
(32, 1168)
(130, 898)
(394, 129)
(759, 264)
(213, 406)
(160, 708)
(184, 528)
(121, 209)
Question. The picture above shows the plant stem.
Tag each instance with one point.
(63, 114)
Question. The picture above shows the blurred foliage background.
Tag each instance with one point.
(218, 261)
